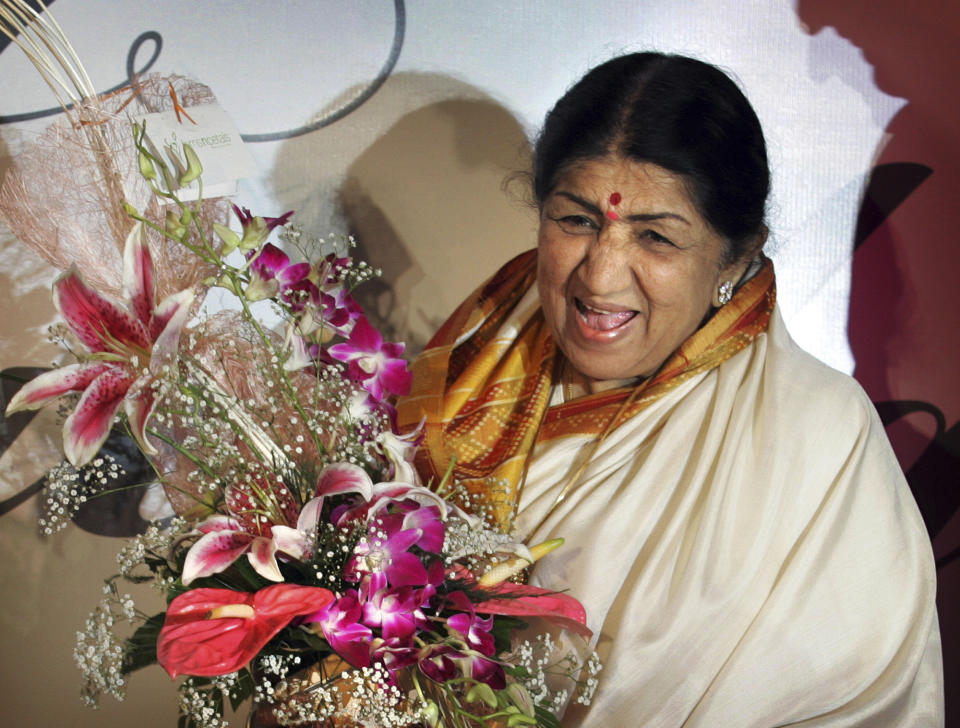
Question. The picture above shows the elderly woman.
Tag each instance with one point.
(736, 525)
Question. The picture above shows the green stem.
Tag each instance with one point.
(287, 384)
(193, 459)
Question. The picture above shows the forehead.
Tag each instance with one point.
(637, 183)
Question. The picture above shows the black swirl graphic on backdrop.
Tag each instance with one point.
(150, 35)
(399, 31)
(4, 40)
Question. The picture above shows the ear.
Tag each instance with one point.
(733, 273)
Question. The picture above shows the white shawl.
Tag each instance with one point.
(748, 553)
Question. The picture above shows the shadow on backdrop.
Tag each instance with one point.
(903, 309)
(424, 198)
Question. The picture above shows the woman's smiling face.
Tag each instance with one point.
(628, 268)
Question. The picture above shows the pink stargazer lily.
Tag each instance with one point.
(128, 347)
(285, 529)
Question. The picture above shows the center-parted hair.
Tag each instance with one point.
(679, 113)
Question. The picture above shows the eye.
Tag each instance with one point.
(576, 224)
(654, 237)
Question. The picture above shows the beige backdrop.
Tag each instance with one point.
(417, 173)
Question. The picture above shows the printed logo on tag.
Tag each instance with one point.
(216, 141)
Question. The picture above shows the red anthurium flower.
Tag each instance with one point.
(128, 348)
(521, 600)
(217, 631)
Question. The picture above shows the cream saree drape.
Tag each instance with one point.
(745, 545)
(748, 554)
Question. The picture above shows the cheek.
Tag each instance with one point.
(555, 264)
(682, 293)
(553, 276)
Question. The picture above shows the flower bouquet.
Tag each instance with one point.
(304, 567)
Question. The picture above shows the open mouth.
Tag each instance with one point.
(601, 320)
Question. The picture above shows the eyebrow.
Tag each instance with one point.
(642, 217)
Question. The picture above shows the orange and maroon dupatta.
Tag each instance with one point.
(482, 386)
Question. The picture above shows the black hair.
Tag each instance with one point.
(676, 112)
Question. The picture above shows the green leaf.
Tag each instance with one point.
(244, 689)
(503, 629)
(246, 571)
(545, 718)
(140, 649)
(517, 671)
(315, 641)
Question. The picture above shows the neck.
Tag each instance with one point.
(575, 384)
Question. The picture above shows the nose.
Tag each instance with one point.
(605, 268)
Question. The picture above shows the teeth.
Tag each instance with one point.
(597, 318)
(584, 307)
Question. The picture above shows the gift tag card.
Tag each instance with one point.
(214, 138)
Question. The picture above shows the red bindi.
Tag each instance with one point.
(614, 201)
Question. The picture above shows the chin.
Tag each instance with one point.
(595, 368)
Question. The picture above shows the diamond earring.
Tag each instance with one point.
(725, 293)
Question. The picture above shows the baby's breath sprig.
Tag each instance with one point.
(67, 488)
(99, 652)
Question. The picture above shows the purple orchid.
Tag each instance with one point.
(436, 662)
(393, 528)
(385, 550)
(272, 272)
(468, 653)
(327, 316)
(341, 627)
(426, 519)
(393, 654)
(474, 631)
(482, 669)
(374, 364)
(128, 348)
(397, 611)
(339, 311)
(476, 647)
